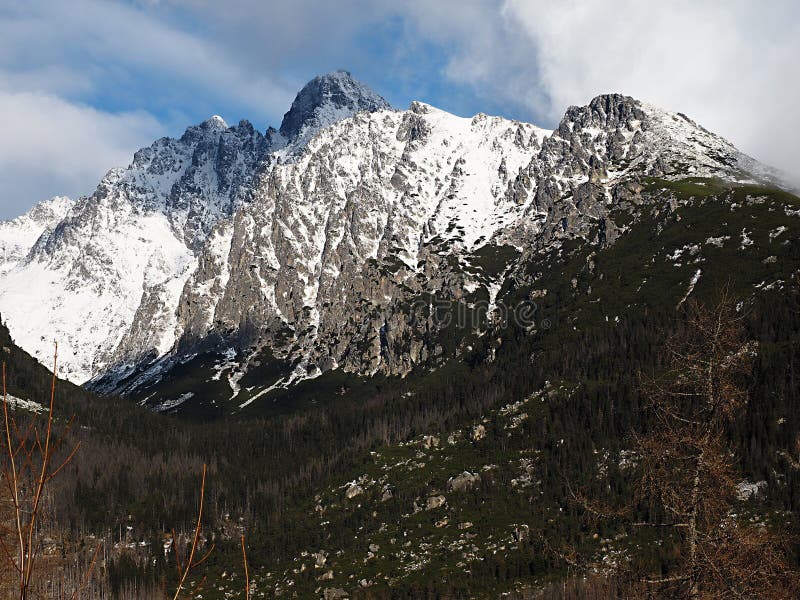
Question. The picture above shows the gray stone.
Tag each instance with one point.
(435, 502)
(463, 481)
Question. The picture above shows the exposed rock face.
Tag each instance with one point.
(325, 100)
(463, 482)
(333, 243)
(318, 241)
(19, 235)
(435, 502)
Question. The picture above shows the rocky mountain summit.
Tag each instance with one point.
(18, 236)
(325, 100)
(323, 245)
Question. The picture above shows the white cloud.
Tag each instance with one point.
(51, 144)
(57, 58)
(731, 66)
(92, 43)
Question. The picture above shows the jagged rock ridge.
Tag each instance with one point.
(325, 100)
(210, 241)
(19, 235)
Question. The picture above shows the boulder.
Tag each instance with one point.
(320, 558)
(435, 502)
(353, 490)
(430, 441)
(463, 482)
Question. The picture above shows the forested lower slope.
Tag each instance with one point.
(470, 467)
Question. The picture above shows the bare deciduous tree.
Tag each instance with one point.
(246, 572)
(689, 470)
(687, 474)
(27, 466)
(185, 567)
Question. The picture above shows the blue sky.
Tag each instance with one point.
(85, 83)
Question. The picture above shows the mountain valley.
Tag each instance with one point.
(401, 340)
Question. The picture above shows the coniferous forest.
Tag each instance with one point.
(319, 486)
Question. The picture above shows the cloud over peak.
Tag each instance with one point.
(84, 84)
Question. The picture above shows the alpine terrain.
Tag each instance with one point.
(308, 246)
(413, 349)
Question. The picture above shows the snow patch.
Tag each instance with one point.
(26, 405)
(692, 283)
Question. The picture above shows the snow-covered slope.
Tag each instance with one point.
(89, 281)
(380, 185)
(126, 250)
(311, 239)
(18, 236)
(108, 277)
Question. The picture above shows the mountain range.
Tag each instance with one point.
(323, 245)
(415, 350)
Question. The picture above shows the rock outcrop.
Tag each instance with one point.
(329, 242)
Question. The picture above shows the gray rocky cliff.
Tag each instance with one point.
(327, 242)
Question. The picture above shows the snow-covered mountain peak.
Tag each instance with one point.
(18, 236)
(49, 212)
(615, 136)
(325, 100)
(233, 236)
(420, 108)
(215, 122)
